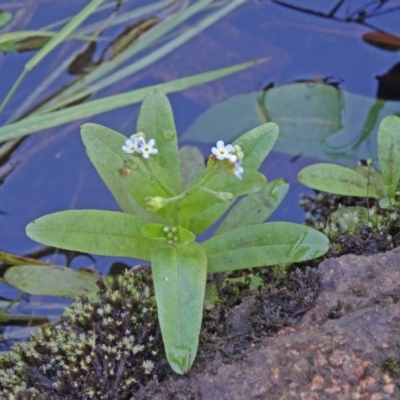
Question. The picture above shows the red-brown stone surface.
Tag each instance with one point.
(336, 351)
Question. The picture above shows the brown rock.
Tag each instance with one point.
(335, 352)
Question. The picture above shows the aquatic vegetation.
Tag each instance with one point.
(108, 347)
(357, 229)
(162, 218)
(107, 55)
(316, 119)
(157, 23)
(364, 180)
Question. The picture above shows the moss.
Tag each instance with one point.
(391, 365)
(99, 349)
(110, 347)
(353, 225)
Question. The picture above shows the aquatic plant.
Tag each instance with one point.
(363, 180)
(164, 211)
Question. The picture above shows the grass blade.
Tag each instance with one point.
(51, 45)
(41, 122)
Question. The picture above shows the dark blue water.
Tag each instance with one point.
(54, 173)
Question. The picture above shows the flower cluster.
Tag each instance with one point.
(232, 153)
(137, 144)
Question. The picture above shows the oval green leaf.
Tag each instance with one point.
(156, 121)
(91, 231)
(263, 245)
(51, 280)
(336, 179)
(179, 275)
(104, 147)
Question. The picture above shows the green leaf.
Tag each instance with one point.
(194, 209)
(373, 177)
(115, 183)
(156, 121)
(192, 164)
(336, 179)
(38, 123)
(257, 143)
(315, 120)
(389, 153)
(163, 232)
(263, 245)
(91, 231)
(179, 275)
(201, 222)
(5, 17)
(51, 280)
(104, 146)
(256, 207)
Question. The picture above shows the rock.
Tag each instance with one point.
(338, 349)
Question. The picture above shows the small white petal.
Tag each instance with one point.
(238, 169)
(151, 143)
(220, 144)
(127, 149)
(229, 148)
(153, 151)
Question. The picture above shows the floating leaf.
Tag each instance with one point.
(179, 275)
(339, 180)
(382, 40)
(51, 280)
(92, 231)
(315, 120)
(389, 153)
(263, 245)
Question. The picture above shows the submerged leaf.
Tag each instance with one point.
(92, 231)
(263, 245)
(315, 120)
(389, 153)
(51, 280)
(179, 275)
(5, 17)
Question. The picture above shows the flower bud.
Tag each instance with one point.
(233, 159)
(155, 203)
(224, 196)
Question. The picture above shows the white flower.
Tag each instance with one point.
(238, 169)
(148, 148)
(221, 151)
(132, 145)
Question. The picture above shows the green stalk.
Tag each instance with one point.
(51, 45)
